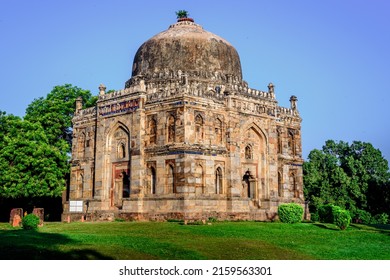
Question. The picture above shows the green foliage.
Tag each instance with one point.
(354, 177)
(290, 213)
(381, 219)
(326, 213)
(56, 110)
(30, 222)
(29, 165)
(34, 150)
(361, 216)
(342, 218)
(314, 217)
(182, 14)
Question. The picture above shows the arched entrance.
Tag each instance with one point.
(118, 153)
(254, 163)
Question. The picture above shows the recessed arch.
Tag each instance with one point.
(255, 139)
(218, 130)
(280, 184)
(293, 183)
(121, 150)
(258, 130)
(199, 128)
(291, 142)
(170, 178)
(171, 128)
(152, 130)
(248, 152)
(117, 171)
(153, 180)
(218, 180)
(81, 145)
(113, 129)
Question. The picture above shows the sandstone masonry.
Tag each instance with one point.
(186, 139)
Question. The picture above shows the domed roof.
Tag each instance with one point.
(187, 47)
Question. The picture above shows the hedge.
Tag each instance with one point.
(290, 213)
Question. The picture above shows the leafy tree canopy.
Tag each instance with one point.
(55, 112)
(352, 176)
(29, 165)
(34, 151)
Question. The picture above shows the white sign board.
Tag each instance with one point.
(75, 206)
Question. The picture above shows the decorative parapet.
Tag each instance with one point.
(287, 114)
(124, 106)
(85, 113)
(173, 90)
(261, 107)
(119, 93)
(254, 93)
(183, 77)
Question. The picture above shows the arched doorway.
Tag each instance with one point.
(118, 155)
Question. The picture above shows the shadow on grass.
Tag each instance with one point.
(35, 245)
(385, 229)
(326, 226)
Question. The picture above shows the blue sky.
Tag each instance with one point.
(333, 55)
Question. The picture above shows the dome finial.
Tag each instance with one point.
(183, 15)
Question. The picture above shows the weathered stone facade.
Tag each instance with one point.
(186, 139)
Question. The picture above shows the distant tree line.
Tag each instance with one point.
(353, 176)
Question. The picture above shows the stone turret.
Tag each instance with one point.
(79, 104)
(293, 102)
(102, 89)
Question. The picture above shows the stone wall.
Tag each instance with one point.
(185, 148)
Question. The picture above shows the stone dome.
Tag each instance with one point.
(187, 48)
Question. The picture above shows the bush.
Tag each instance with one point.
(290, 213)
(363, 217)
(380, 219)
(326, 213)
(314, 217)
(342, 218)
(30, 221)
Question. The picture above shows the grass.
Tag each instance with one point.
(221, 240)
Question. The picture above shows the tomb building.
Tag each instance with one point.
(186, 138)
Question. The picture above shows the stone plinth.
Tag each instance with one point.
(15, 218)
(39, 212)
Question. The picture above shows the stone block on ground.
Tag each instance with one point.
(15, 218)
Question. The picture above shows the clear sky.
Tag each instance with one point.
(333, 55)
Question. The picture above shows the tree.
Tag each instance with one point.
(354, 177)
(55, 112)
(34, 152)
(182, 14)
(29, 165)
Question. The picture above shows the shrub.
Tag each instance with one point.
(290, 213)
(314, 217)
(380, 219)
(342, 218)
(30, 221)
(326, 213)
(361, 216)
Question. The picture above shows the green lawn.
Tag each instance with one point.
(221, 240)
